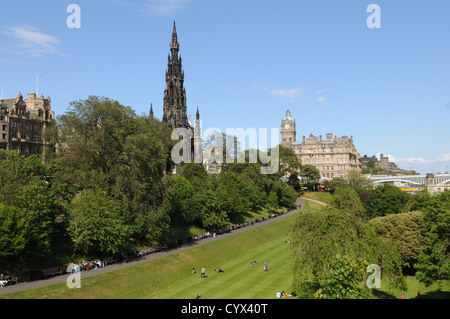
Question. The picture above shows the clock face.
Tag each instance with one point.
(287, 127)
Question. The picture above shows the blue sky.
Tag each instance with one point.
(245, 61)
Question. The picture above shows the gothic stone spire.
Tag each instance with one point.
(175, 107)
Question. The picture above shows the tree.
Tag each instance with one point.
(434, 262)
(287, 196)
(97, 223)
(290, 163)
(356, 181)
(385, 200)
(13, 237)
(346, 199)
(336, 183)
(179, 190)
(318, 237)
(294, 181)
(92, 137)
(342, 280)
(31, 205)
(105, 146)
(310, 176)
(406, 233)
(195, 173)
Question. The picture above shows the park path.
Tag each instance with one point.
(84, 274)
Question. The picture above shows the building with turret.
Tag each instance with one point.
(22, 122)
(333, 156)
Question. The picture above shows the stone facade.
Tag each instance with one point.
(382, 163)
(333, 156)
(22, 123)
(175, 105)
(288, 130)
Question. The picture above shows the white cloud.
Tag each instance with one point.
(32, 41)
(288, 93)
(421, 160)
(321, 100)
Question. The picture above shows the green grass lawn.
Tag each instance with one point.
(171, 277)
(320, 196)
(414, 286)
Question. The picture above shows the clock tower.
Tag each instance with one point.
(288, 130)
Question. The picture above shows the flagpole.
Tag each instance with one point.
(37, 84)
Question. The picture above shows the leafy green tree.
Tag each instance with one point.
(13, 236)
(32, 205)
(434, 262)
(105, 146)
(272, 199)
(290, 163)
(97, 223)
(294, 181)
(358, 182)
(287, 196)
(92, 136)
(310, 176)
(342, 280)
(179, 190)
(406, 233)
(346, 199)
(195, 173)
(317, 237)
(336, 183)
(385, 200)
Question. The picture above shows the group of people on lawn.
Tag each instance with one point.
(218, 269)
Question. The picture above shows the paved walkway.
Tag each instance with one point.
(84, 274)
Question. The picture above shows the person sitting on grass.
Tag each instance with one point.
(253, 262)
(218, 269)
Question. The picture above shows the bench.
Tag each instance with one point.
(109, 261)
(147, 251)
(50, 272)
(13, 280)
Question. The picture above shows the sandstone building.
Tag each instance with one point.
(333, 156)
(22, 123)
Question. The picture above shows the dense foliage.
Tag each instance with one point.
(402, 233)
(321, 238)
(109, 188)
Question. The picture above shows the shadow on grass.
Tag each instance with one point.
(382, 294)
(437, 294)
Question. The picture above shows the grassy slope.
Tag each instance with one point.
(171, 276)
(323, 197)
